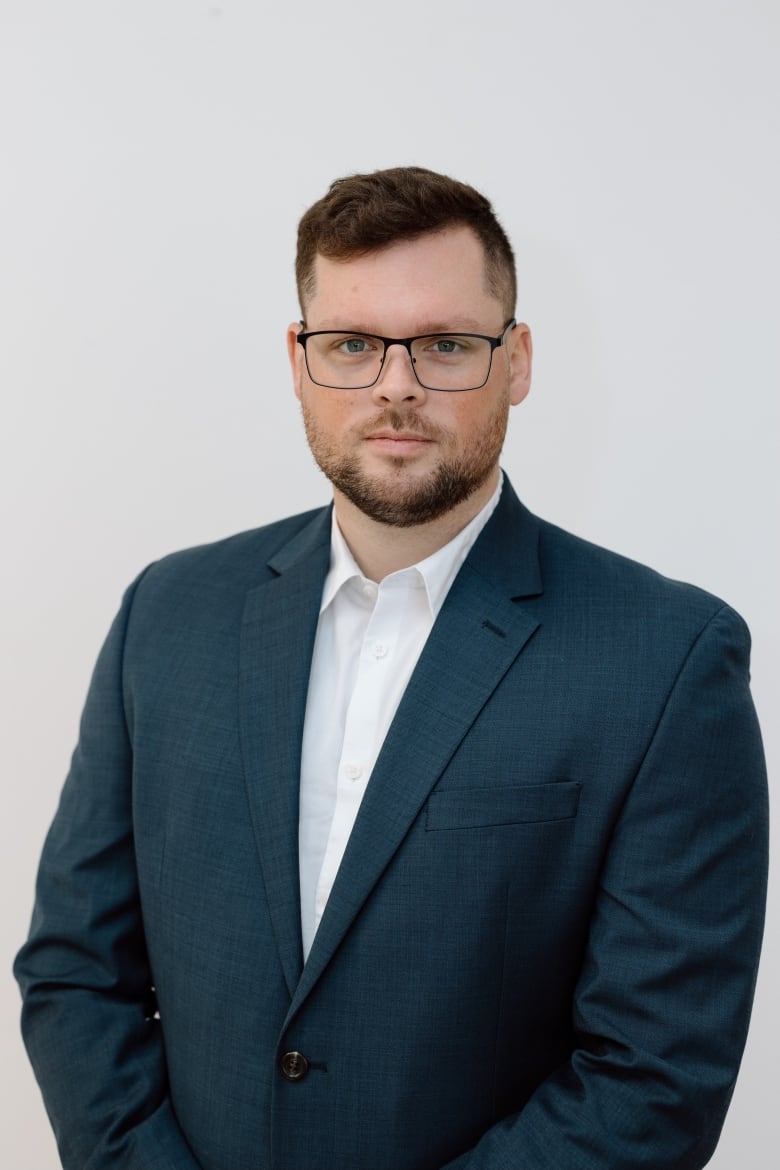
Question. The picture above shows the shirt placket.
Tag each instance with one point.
(363, 731)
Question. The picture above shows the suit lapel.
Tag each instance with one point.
(279, 626)
(476, 638)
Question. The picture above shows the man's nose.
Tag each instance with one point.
(397, 382)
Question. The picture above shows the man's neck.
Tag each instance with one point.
(380, 549)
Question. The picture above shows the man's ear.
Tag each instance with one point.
(520, 350)
(296, 355)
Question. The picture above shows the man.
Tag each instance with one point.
(421, 834)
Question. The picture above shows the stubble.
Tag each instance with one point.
(401, 498)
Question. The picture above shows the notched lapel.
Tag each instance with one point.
(476, 638)
(279, 626)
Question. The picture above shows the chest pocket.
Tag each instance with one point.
(473, 808)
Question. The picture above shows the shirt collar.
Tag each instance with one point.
(436, 573)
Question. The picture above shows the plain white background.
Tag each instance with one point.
(156, 156)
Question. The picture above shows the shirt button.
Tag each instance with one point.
(380, 649)
(294, 1066)
(353, 771)
(369, 590)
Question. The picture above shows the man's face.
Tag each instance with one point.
(402, 454)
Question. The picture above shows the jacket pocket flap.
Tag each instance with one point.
(472, 808)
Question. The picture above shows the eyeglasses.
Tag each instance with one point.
(453, 362)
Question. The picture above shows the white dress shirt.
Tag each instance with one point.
(369, 638)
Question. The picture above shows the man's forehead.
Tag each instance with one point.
(441, 274)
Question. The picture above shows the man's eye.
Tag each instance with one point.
(356, 345)
(447, 345)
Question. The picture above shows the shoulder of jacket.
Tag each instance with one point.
(234, 562)
(571, 562)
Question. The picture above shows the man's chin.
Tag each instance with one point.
(403, 500)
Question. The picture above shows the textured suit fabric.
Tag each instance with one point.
(540, 948)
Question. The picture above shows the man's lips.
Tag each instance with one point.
(401, 444)
(398, 437)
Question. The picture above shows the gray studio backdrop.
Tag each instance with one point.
(156, 156)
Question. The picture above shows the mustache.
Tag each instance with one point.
(398, 420)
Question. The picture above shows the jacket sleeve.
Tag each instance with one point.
(663, 1000)
(88, 1015)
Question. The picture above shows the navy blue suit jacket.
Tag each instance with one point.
(541, 945)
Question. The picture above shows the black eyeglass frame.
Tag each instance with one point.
(407, 343)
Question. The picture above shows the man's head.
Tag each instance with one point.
(404, 435)
(365, 213)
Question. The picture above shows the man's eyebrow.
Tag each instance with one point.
(452, 325)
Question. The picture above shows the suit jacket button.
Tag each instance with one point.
(294, 1066)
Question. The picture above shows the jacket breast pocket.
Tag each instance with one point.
(473, 808)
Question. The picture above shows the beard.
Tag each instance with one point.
(400, 498)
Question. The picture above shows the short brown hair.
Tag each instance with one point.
(365, 213)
